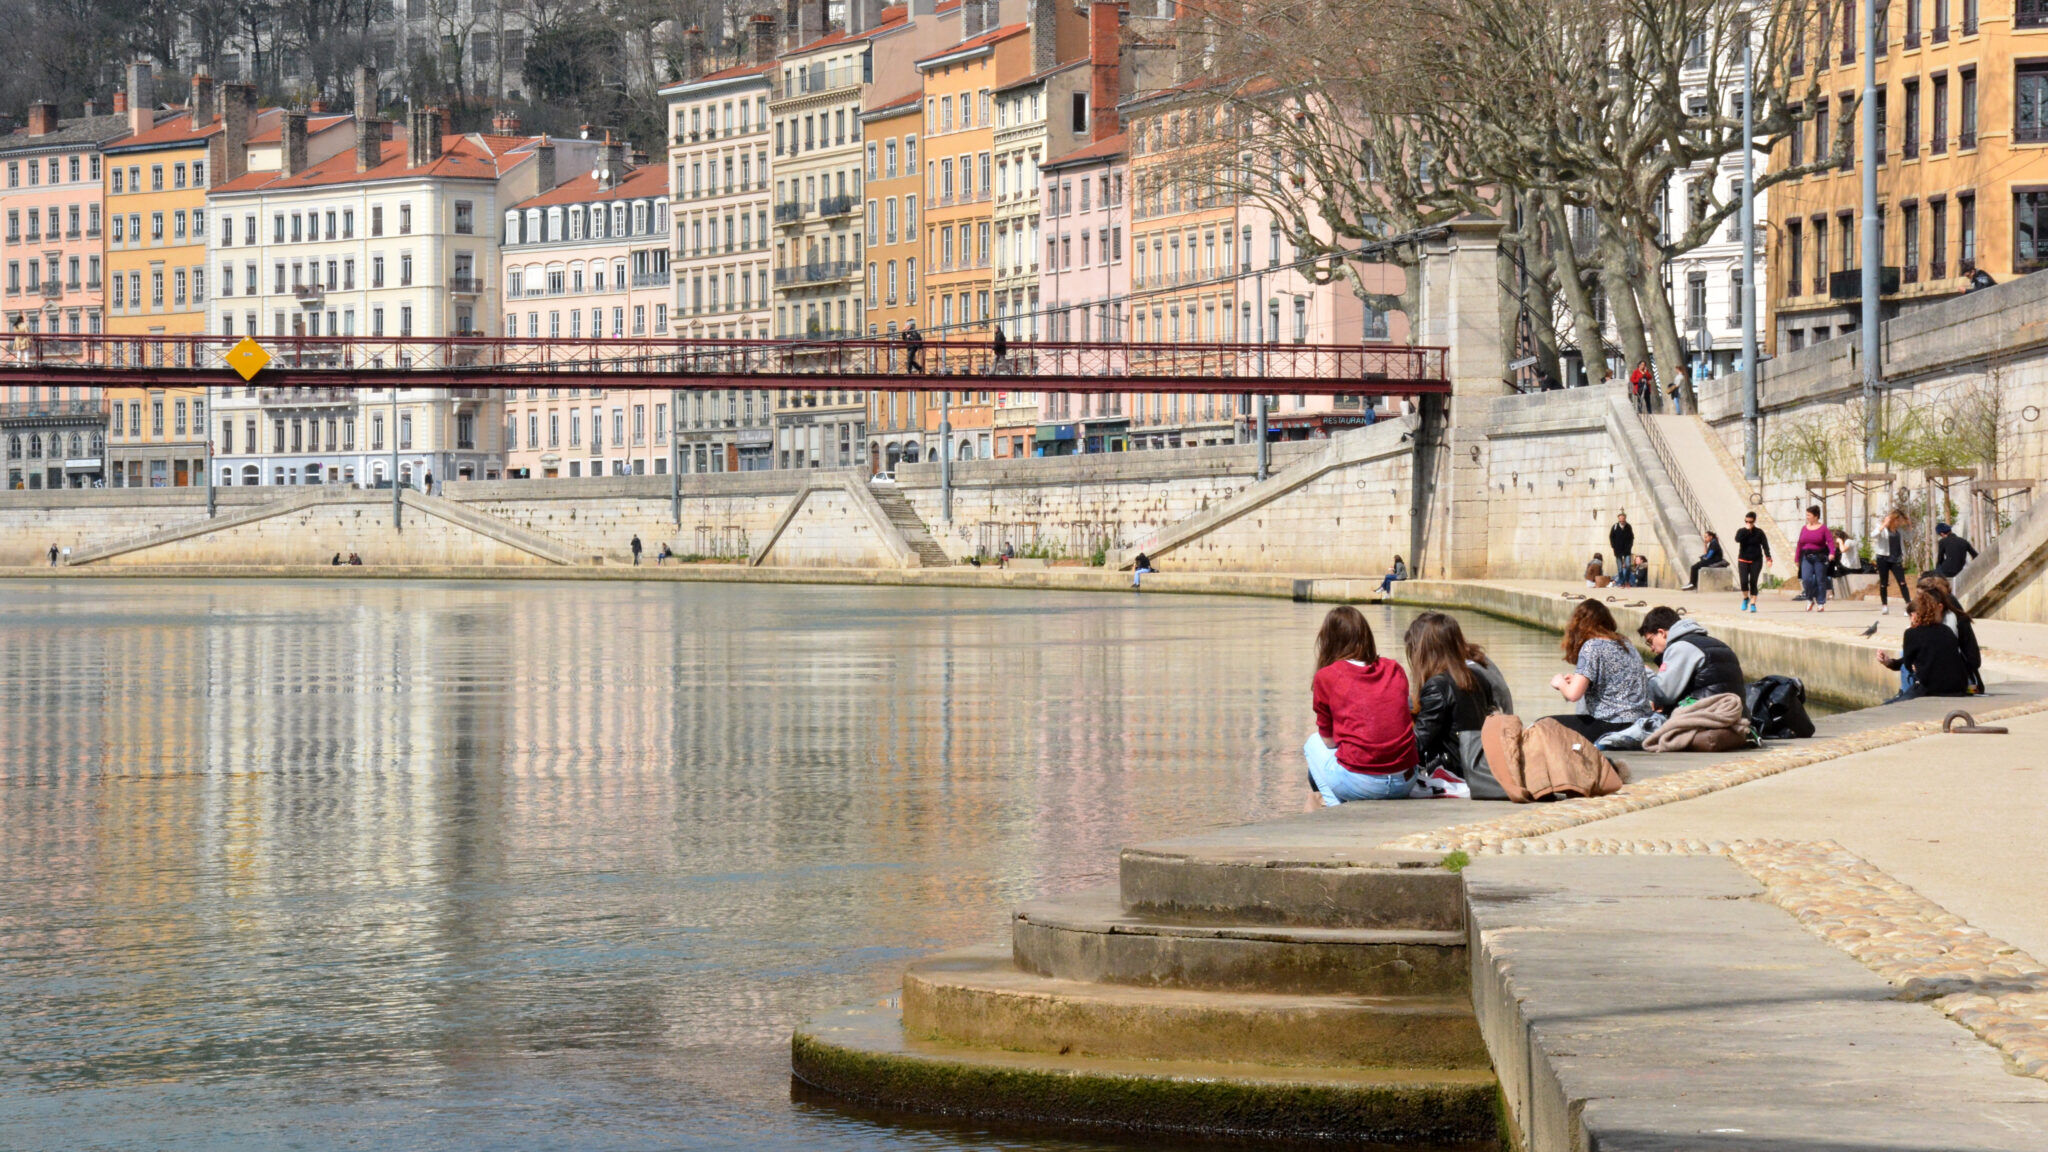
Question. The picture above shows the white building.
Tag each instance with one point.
(394, 238)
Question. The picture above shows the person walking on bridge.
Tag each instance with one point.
(913, 360)
(1001, 346)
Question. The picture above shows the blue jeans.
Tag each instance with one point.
(1387, 585)
(1813, 577)
(1338, 783)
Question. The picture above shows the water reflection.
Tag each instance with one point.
(523, 865)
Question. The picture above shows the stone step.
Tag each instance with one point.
(862, 1053)
(977, 997)
(1088, 936)
(1329, 886)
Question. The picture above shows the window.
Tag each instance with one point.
(1966, 115)
(1966, 236)
(1909, 221)
(465, 218)
(1909, 132)
(405, 218)
(2030, 104)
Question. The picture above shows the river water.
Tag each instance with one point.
(523, 865)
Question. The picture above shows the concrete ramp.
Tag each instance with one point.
(2007, 570)
(836, 522)
(1669, 517)
(484, 524)
(1720, 494)
(294, 500)
(1348, 449)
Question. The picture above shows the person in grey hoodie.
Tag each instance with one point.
(1695, 665)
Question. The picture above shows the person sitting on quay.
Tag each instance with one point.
(1710, 557)
(666, 553)
(1398, 572)
(1951, 552)
(355, 560)
(1693, 665)
(1957, 621)
(336, 562)
(1457, 688)
(1139, 567)
(1608, 681)
(1596, 573)
(1930, 655)
(1364, 744)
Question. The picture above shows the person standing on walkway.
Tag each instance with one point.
(1676, 390)
(1621, 544)
(1364, 744)
(1888, 551)
(1608, 681)
(1710, 557)
(636, 549)
(1752, 552)
(1816, 548)
(53, 555)
(1640, 383)
(913, 360)
(1951, 552)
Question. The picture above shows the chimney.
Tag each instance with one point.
(141, 97)
(92, 107)
(366, 91)
(825, 24)
(637, 158)
(1105, 45)
(42, 118)
(762, 28)
(120, 102)
(1044, 16)
(863, 15)
(203, 110)
(505, 123)
(973, 19)
(292, 157)
(693, 52)
(793, 21)
(369, 142)
(611, 166)
(544, 166)
(428, 141)
(237, 118)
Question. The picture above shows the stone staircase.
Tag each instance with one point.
(897, 508)
(1315, 993)
(492, 527)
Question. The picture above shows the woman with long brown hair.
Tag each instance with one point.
(1889, 553)
(1930, 659)
(1364, 746)
(1608, 681)
(1452, 698)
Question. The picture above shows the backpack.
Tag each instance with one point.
(1546, 761)
(1777, 708)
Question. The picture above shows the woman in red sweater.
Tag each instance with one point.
(1364, 746)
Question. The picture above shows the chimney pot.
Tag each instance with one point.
(237, 118)
(292, 157)
(203, 110)
(763, 32)
(92, 107)
(120, 102)
(42, 118)
(505, 123)
(141, 97)
(544, 166)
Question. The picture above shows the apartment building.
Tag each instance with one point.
(718, 160)
(1964, 123)
(595, 432)
(894, 183)
(1086, 283)
(727, 430)
(392, 238)
(55, 437)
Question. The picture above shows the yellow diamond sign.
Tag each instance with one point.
(247, 358)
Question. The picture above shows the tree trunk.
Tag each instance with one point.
(1662, 325)
(1585, 323)
(1628, 322)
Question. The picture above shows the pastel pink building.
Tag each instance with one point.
(589, 261)
(1084, 286)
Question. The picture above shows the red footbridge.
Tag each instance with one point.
(892, 364)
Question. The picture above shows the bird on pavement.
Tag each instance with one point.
(1872, 630)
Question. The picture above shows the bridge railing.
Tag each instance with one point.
(497, 361)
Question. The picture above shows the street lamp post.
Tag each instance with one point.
(1259, 291)
(1750, 467)
(1873, 244)
(946, 455)
(397, 516)
(206, 431)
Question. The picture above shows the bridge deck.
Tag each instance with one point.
(871, 364)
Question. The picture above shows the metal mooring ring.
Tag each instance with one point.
(1969, 725)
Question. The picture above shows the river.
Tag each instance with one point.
(527, 865)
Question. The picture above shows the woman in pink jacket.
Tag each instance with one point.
(1815, 547)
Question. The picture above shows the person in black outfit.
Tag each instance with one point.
(1452, 699)
(1930, 652)
(1002, 349)
(1889, 553)
(1951, 552)
(1712, 557)
(913, 360)
(636, 549)
(1693, 665)
(1752, 552)
(1958, 622)
(1622, 540)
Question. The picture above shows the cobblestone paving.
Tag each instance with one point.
(1985, 984)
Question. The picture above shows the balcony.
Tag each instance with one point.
(51, 289)
(309, 295)
(821, 273)
(650, 279)
(829, 206)
(466, 285)
(1966, 139)
(789, 212)
(1937, 269)
(24, 409)
(305, 397)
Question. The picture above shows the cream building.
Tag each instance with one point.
(718, 165)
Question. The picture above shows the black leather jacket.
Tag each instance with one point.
(1442, 710)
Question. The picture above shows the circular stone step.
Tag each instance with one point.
(1335, 886)
(978, 998)
(860, 1054)
(1087, 936)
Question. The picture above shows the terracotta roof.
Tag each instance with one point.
(69, 134)
(910, 99)
(736, 72)
(463, 157)
(893, 15)
(641, 183)
(1100, 150)
(979, 42)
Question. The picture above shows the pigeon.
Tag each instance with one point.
(1872, 630)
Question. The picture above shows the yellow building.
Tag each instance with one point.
(1963, 183)
(893, 187)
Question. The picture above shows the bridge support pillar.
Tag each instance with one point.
(1461, 311)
